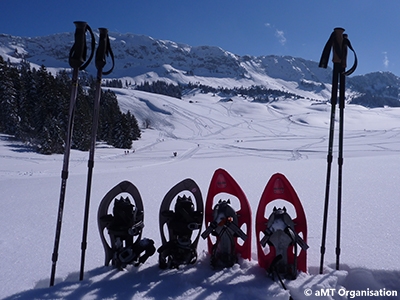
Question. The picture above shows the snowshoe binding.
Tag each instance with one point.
(180, 248)
(226, 230)
(280, 234)
(124, 226)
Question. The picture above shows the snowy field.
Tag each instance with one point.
(252, 142)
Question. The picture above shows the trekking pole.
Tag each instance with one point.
(77, 57)
(102, 51)
(323, 63)
(342, 89)
(339, 42)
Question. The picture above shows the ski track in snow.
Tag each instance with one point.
(251, 141)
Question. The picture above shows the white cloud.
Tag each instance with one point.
(281, 36)
(278, 33)
(385, 60)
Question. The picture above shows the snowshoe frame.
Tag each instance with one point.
(172, 253)
(122, 187)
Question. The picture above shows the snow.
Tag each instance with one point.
(142, 58)
(252, 141)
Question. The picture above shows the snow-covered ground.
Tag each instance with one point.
(252, 142)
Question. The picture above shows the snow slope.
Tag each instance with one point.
(251, 141)
(142, 58)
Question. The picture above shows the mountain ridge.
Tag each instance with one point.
(141, 58)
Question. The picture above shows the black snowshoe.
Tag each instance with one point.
(225, 228)
(180, 248)
(124, 226)
(281, 234)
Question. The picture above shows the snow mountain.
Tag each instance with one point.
(142, 58)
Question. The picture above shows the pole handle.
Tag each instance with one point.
(104, 50)
(339, 42)
(338, 49)
(77, 54)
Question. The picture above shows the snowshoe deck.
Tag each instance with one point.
(178, 246)
(223, 182)
(279, 188)
(103, 222)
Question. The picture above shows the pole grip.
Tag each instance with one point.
(77, 54)
(103, 50)
(338, 48)
(339, 43)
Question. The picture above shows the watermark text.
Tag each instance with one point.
(351, 294)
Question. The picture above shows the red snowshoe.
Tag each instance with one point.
(226, 224)
(280, 232)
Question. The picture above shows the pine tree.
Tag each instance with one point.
(83, 120)
(27, 102)
(121, 133)
(51, 137)
(109, 116)
(133, 125)
(34, 106)
(8, 98)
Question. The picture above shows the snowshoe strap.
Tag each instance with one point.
(131, 254)
(231, 225)
(209, 229)
(236, 229)
(289, 228)
(190, 218)
(273, 270)
(298, 239)
(173, 254)
(266, 237)
(136, 229)
(194, 226)
(126, 256)
(148, 247)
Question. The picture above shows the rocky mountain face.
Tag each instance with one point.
(141, 58)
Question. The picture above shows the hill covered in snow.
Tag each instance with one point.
(251, 141)
(141, 58)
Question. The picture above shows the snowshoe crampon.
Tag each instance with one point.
(228, 231)
(124, 225)
(180, 225)
(279, 236)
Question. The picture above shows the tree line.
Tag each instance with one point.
(34, 107)
(257, 93)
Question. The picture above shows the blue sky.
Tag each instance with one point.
(297, 28)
